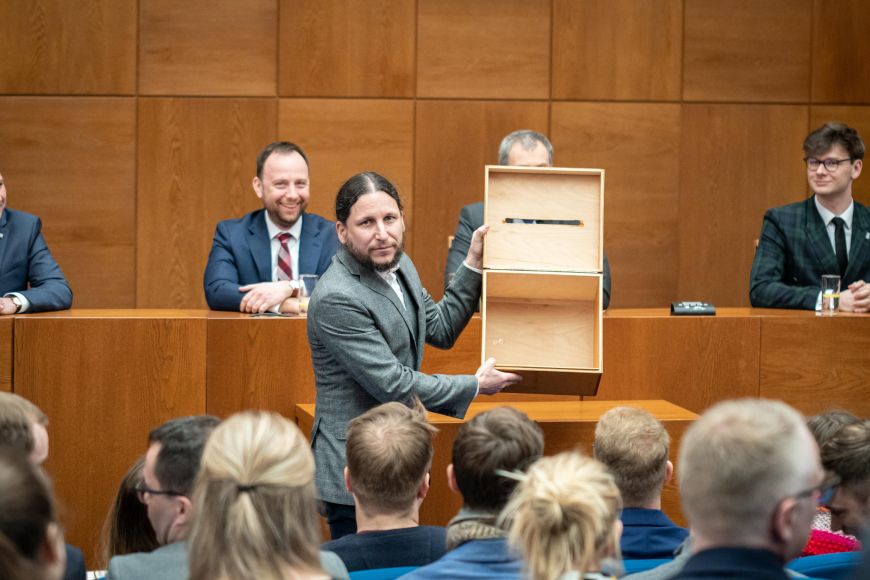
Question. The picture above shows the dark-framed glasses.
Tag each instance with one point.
(142, 489)
(826, 493)
(830, 164)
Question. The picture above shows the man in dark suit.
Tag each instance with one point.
(750, 483)
(524, 149)
(368, 320)
(30, 279)
(255, 261)
(829, 233)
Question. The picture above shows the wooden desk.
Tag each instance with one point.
(106, 377)
(566, 425)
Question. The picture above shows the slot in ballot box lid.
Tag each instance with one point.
(543, 219)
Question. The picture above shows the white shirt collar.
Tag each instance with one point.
(827, 215)
(295, 230)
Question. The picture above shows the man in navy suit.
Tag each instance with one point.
(255, 261)
(30, 279)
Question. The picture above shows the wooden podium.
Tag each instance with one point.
(566, 425)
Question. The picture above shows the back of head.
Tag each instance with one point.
(181, 442)
(26, 513)
(822, 139)
(634, 446)
(501, 439)
(358, 186)
(825, 425)
(389, 453)
(528, 140)
(15, 431)
(127, 529)
(563, 516)
(254, 500)
(847, 454)
(737, 462)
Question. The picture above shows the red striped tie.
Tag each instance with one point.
(285, 266)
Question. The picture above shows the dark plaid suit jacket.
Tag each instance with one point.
(794, 251)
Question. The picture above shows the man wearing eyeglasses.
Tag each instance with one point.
(847, 456)
(829, 233)
(750, 482)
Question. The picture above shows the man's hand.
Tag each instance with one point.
(7, 306)
(491, 381)
(474, 258)
(856, 298)
(265, 295)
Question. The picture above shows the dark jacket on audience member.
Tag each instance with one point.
(75, 564)
(649, 534)
(733, 563)
(415, 546)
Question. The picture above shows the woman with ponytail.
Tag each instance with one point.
(255, 504)
(564, 518)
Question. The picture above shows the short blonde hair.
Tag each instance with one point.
(563, 515)
(254, 504)
(634, 446)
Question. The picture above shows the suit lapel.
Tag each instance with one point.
(309, 246)
(859, 249)
(818, 241)
(375, 283)
(4, 237)
(415, 316)
(258, 242)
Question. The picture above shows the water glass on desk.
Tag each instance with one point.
(307, 282)
(830, 295)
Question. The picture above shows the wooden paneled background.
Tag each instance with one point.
(131, 126)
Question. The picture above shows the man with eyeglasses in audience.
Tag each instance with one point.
(828, 233)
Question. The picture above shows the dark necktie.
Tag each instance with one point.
(840, 244)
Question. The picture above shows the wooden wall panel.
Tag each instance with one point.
(104, 384)
(641, 189)
(691, 362)
(197, 158)
(742, 50)
(454, 140)
(339, 48)
(71, 161)
(345, 136)
(859, 119)
(841, 53)
(474, 48)
(83, 47)
(736, 161)
(617, 50)
(208, 47)
(243, 371)
(6, 348)
(834, 375)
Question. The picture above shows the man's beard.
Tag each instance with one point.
(366, 261)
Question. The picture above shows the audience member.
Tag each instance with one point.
(389, 455)
(750, 478)
(824, 540)
(565, 518)
(31, 540)
(822, 234)
(522, 148)
(127, 529)
(634, 447)
(255, 503)
(495, 442)
(30, 279)
(24, 428)
(171, 464)
(847, 456)
(256, 260)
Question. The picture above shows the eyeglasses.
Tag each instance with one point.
(142, 489)
(831, 165)
(826, 493)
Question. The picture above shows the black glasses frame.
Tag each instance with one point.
(142, 489)
(830, 164)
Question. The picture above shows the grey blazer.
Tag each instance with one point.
(169, 562)
(366, 349)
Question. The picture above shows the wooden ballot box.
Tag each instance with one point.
(542, 278)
